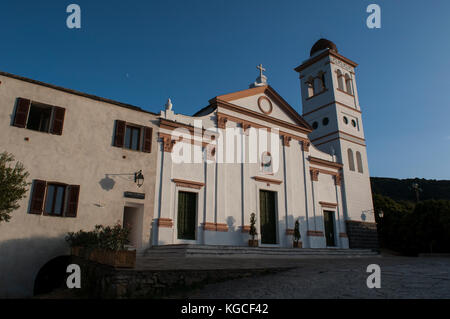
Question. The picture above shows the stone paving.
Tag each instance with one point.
(401, 277)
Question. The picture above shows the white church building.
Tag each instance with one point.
(251, 152)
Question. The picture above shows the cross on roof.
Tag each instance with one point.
(261, 69)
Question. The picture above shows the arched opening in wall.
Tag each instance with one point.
(340, 78)
(359, 162)
(310, 87)
(348, 84)
(52, 275)
(351, 160)
(322, 79)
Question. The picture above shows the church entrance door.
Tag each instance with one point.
(268, 219)
(328, 217)
(187, 215)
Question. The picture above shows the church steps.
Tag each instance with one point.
(238, 251)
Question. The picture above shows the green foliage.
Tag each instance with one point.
(297, 235)
(103, 237)
(253, 231)
(401, 189)
(413, 228)
(13, 185)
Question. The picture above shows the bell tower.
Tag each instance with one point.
(331, 106)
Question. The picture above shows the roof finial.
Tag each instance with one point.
(261, 80)
(169, 104)
(261, 69)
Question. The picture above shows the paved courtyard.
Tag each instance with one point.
(401, 277)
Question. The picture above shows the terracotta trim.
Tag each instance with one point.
(324, 54)
(267, 180)
(335, 132)
(331, 103)
(323, 136)
(337, 179)
(314, 174)
(245, 124)
(359, 222)
(286, 140)
(328, 205)
(343, 235)
(188, 184)
(167, 141)
(243, 93)
(268, 90)
(261, 98)
(289, 232)
(314, 233)
(326, 163)
(165, 222)
(222, 227)
(303, 129)
(215, 227)
(171, 125)
(342, 138)
(245, 229)
(338, 89)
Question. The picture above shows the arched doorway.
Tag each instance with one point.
(52, 275)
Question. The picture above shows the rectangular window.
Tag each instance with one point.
(54, 199)
(132, 138)
(39, 117)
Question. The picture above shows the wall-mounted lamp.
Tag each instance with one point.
(139, 178)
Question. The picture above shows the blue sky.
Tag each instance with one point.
(142, 52)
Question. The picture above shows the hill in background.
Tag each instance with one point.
(401, 189)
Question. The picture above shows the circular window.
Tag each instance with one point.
(265, 105)
(345, 120)
(315, 125)
(325, 121)
(354, 123)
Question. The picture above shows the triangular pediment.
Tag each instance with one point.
(265, 101)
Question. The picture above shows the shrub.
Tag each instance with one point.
(102, 237)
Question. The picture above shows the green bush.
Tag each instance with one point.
(413, 228)
(102, 237)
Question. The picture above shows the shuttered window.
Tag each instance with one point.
(54, 199)
(39, 117)
(133, 137)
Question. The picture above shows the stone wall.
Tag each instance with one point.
(362, 235)
(105, 282)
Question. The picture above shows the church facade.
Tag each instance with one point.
(251, 152)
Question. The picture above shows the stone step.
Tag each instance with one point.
(207, 250)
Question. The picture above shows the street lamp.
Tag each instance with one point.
(139, 178)
(380, 214)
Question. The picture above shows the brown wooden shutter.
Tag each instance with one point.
(147, 144)
(72, 201)
(119, 136)
(37, 197)
(58, 120)
(22, 109)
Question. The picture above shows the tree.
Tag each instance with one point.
(297, 235)
(253, 231)
(13, 185)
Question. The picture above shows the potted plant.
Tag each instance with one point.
(105, 245)
(297, 243)
(253, 242)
